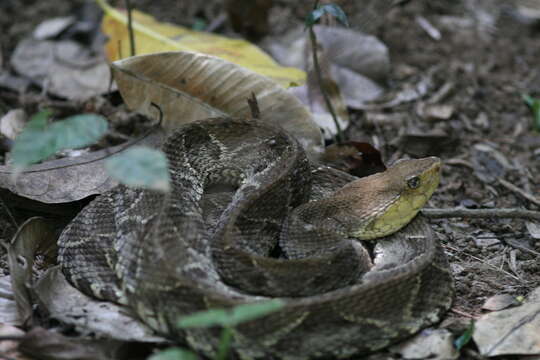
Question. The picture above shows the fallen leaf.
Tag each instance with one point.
(51, 28)
(534, 229)
(189, 86)
(70, 306)
(512, 331)
(421, 145)
(499, 302)
(12, 123)
(483, 239)
(358, 61)
(45, 344)
(152, 36)
(67, 179)
(435, 111)
(8, 307)
(8, 348)
(428, 344)
(33, 237)
(406, 93)
(65, 68)
(489, 163)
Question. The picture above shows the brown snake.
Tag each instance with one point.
(250, 218)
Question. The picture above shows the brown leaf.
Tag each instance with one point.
(189, 86)
(33, 237)
(357, 158)
(68, 305)
(67, 179)
(49, 345)
(512, 331)
(499, 302)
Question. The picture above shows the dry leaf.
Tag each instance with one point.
(499, 302)
(34, 236)
(64, 67)
(8, 307)
(512, 331)
(428, 344)
(70, 306)
(67, 179)
(152, 36)
(357, 60)
(489, 163)
(8, 348)
(45, 344)
(12, 123)
(189, 86)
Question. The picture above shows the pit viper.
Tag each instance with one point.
(249, 218)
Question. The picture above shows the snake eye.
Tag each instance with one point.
(413, 182)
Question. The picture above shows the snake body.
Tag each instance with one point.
(250, 218)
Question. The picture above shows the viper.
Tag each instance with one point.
(249, 218)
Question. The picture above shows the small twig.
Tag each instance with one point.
(461, 162)
(317, 68)
(130, 28)
(217, 22)
(464, 314)
(485, 263)
(254, 106)
(519, 191)
(481, 213)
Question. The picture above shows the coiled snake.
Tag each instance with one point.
(248, 218)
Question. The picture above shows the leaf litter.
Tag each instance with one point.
(481, 270)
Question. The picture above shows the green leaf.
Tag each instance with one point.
(38, 141)
(230, 317)
(331, 9)
(174, 353)
(78, 131)
(534, 105)
(140, 166)
(34, 143)
(465, 337)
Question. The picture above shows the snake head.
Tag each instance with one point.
(391, 199)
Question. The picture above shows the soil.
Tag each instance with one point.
(487, 71)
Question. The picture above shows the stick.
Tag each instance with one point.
(481, 213)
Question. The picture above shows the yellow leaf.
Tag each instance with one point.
(152, 36)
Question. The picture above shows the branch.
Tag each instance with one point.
(481, 213)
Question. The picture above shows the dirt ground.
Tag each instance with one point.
(485, 73)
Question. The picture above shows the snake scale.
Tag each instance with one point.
(249, 218)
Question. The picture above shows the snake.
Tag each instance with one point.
(250, 218)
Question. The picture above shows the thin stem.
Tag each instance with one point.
(224, 343)
(130, 28)
(313, 39)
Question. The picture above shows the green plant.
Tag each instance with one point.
(534, 105)
(39, 139)
(461, 341)
(227, 319)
